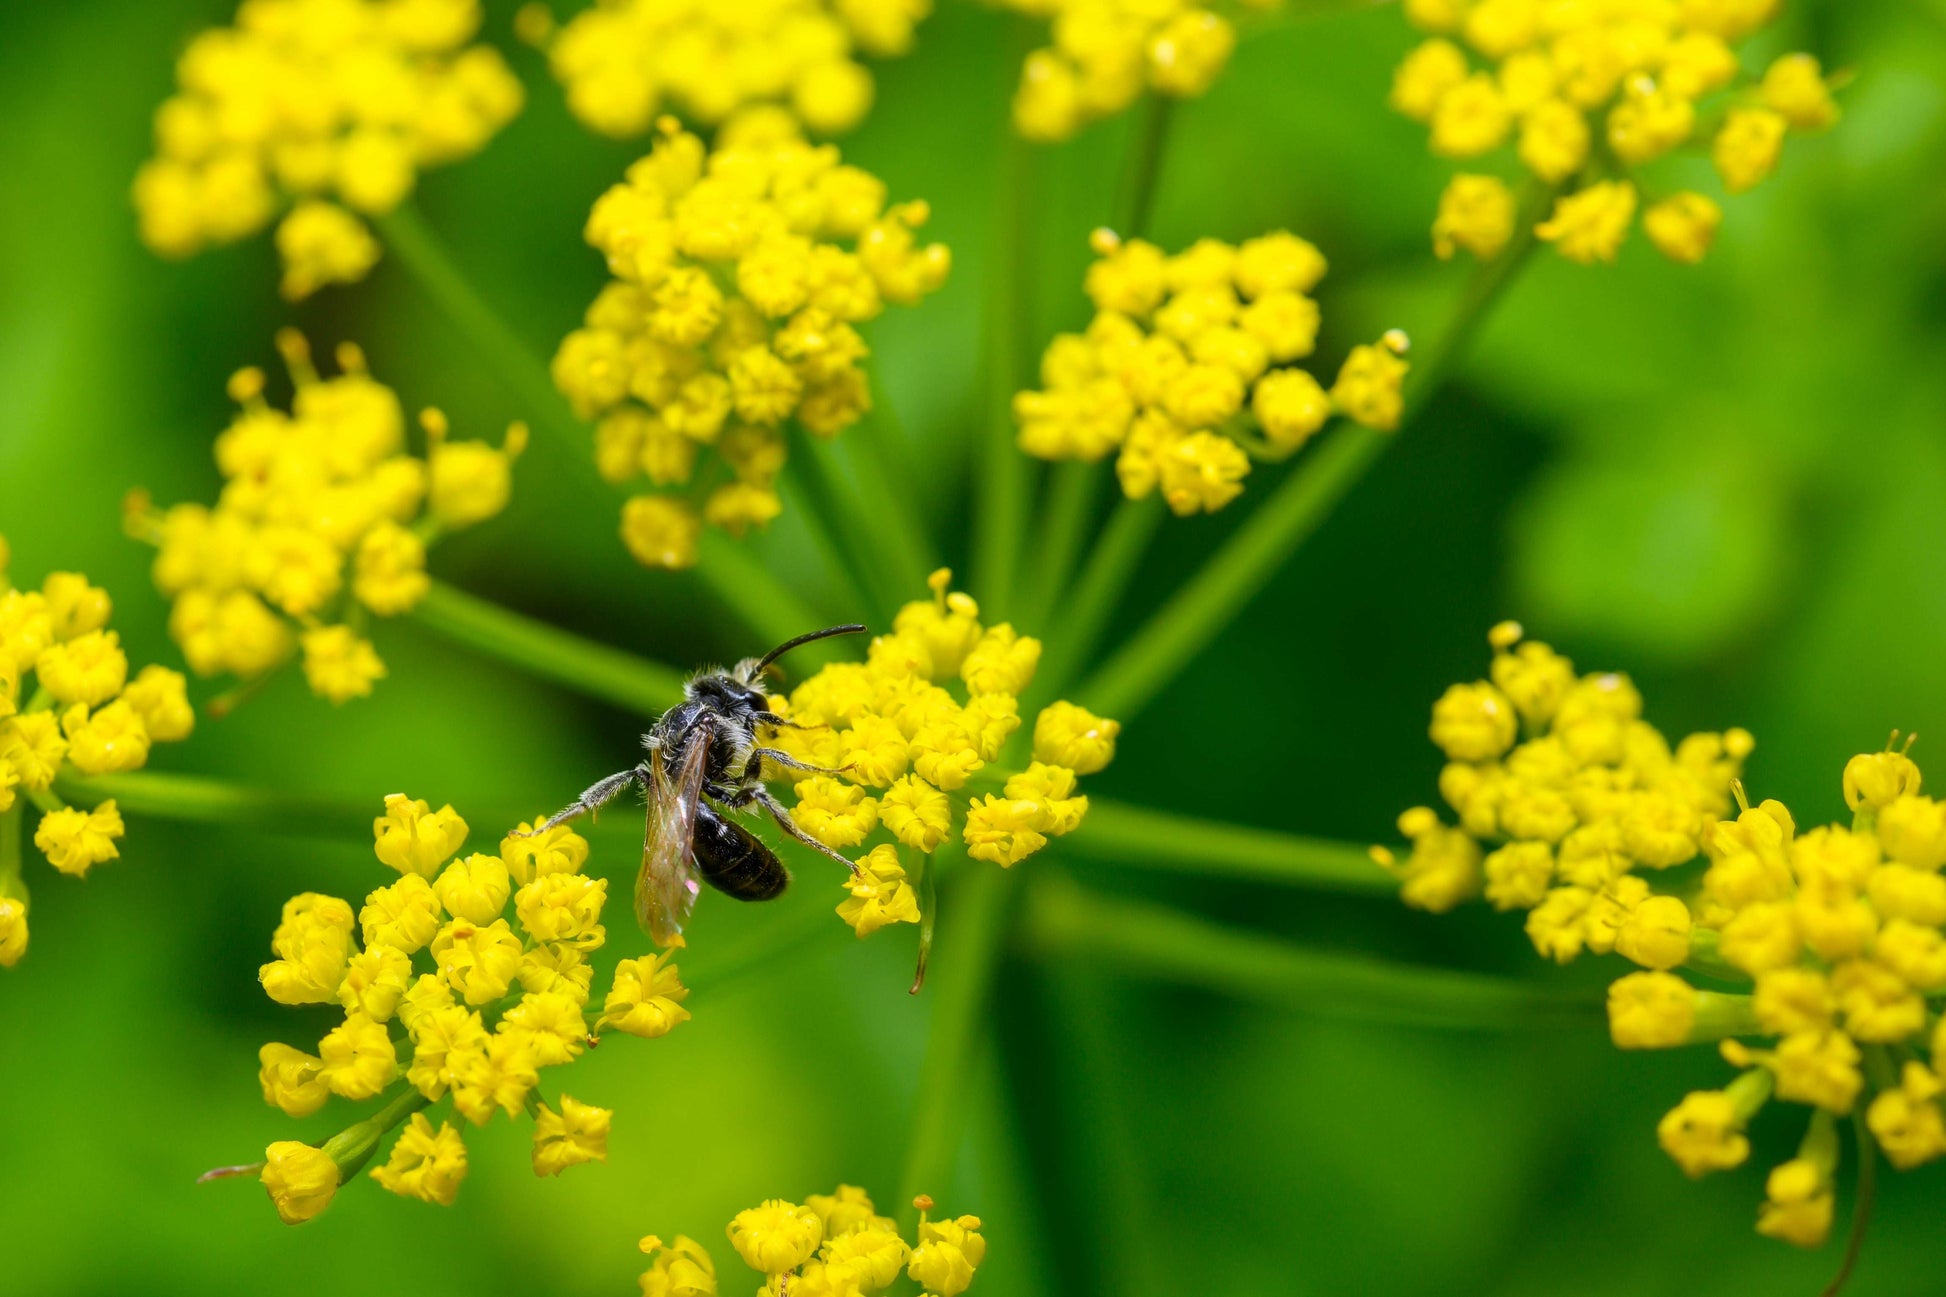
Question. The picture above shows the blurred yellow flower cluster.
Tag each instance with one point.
(624, 62)
(329, 107)
(1104, 53)
(435, 984)
(835, 1245)
(1589, 92)
(1579, 792)
(68, 706)
(323, 521)
(740, 275)
(926, 715)
(1188, 371)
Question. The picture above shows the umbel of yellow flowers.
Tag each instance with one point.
(1189, 369)
(1104, 53)
(919, 731)
(68, 706)
(740, 275)
(324, 110)
(1586, 96)
(437, 987)
(1833, 937)
(322, 523)
(834, 1245)
(625, 62)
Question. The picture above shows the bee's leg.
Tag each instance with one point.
(596, 797)
(790, 762)
(764, 799)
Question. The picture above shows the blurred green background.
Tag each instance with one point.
(1729, 481)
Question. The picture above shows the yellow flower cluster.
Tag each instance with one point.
(323, 521)
(1187, 372)
(1839, 932)
(924, 717)
(740, 275)
(68, 706)
(835, 1245)
(1589, 92)
(1105, 53)
(322, 108)
(624, 62)
(436, 986)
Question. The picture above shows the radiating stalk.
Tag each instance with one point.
(1121, 834)
(960, 982)
(1144, 169)
(539, 649)
(193, 799)
(1086, 609)
(1065, 514)
(1151, 941)
(1206, 605)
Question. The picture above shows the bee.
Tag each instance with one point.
(704, 761)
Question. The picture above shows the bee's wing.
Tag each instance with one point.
(666, 889)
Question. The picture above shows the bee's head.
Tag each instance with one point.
(732, 690)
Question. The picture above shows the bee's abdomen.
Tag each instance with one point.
(735, 861)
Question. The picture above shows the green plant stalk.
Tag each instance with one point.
(881, 461)
(763, 602)
(1070, 504)
(352, 1147)
(1205, 606)
(1144, 171)
(13, 823)
(800, 497)
(760, 601)
(1867, 1199)
(191, 799)
(539, 649)
(1001, 480)
(1135, 836)
(1147, 940)
(1089, 605)
(960, 982)
(850, 523)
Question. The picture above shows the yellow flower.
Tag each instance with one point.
(776, 1236)
(837, 814)
(13, 930)
(75, 840)
(551, 1024)
(1874, 780)
(499, 1073)
(89, 669)
(413, 838)
(389, 575)
(843, 1209)
(1794, 87)
(1650, 1011)
(646, 998)
(256, 122)
(1370, 385)
(532, 852)
(880, 893)
(290, 1080)
(112, 740)
(1475, 213)
(1907, 1121)
(478, 961)
(1589, 225)
(1004, 831)
(474, 889)
(468, 481)
(1798, 1204)
(1074, 737)
(442, 1036)
(1554, 140)
(1683, 226)
(1649, 122)
(403, 916)
(1424, 76)
(300, 1180)
(563, 908)
(312, 944)
(948, 1253)
(577, 1133)
(359, 1059)
(1746, 148)
(339, 665)
(660, 531)
(375, 980)
(681, 1269)
(1704, 1132)
(161, 698)
(425, 1163)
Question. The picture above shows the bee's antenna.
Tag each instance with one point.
(849, 628)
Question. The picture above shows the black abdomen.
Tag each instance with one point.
(734, 861)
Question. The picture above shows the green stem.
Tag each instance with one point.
(759, 599)
(856, 528)
(801, 497)
(1861, 1211)
(190, 799)
(13, 823)
(1072, 489)
(1093, 600)
(1145, 165)
(552, 654)
(928, 918)
(352, 1147)
(1120, 834)
(1001, 481)
(878, 459)
(419, 250)
(1204, 607)
(961, 979)
(1152, 941)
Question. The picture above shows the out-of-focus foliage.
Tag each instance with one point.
(1728, 478)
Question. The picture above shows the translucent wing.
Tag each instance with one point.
(666, 889)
